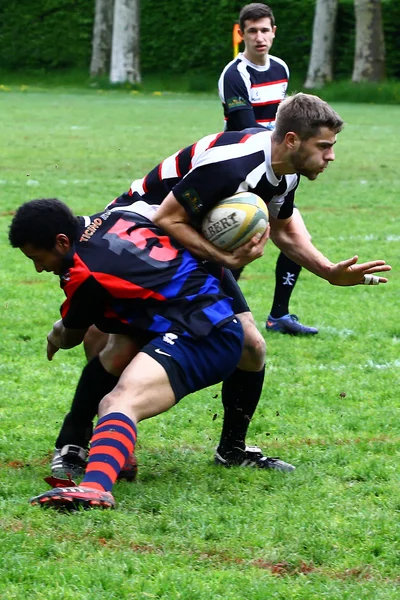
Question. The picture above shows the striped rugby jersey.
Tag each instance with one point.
(123, 273)
(214, 168)
(244, 85)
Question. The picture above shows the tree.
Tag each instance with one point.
(125, 42)
(320, 67)
(102, 37)
(369, 57)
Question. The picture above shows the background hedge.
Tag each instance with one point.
(177, 36)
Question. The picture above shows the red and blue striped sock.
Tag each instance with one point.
(112, 443)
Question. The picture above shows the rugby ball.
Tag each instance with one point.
(235, 220)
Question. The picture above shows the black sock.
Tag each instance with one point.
(94, 383)
(240, 395)
(286, 274)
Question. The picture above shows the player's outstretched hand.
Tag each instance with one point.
(51, 350)
(245, 254)
(348, 272)
(53, 340)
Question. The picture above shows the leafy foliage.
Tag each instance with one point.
(177, 36)
(45, 35)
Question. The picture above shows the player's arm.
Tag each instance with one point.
(242, 119)
(62, 338)
(83, 306)
(294, 243)
(173, 218)
(234, 95)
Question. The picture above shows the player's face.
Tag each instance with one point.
(312, 156)
(258, 37)
(50, 261)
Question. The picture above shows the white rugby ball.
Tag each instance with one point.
(235, 220)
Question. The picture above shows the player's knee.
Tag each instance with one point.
(253, 355)
(254, 348)
(134, 402)
(118, 400)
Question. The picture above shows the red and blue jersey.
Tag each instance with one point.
(124, 273)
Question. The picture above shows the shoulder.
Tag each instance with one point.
(234, 67)
(278, 62)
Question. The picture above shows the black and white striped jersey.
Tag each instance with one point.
(244, 85)
(214, 168)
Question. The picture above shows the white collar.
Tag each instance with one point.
(252, 65)
(272, 178)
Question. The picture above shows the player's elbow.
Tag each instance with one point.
(70, 338)
(166, 222)
(275, 237)
(157, 219)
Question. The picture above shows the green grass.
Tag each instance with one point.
(79, 80)
(330, 404)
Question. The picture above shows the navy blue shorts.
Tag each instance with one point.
(192, 365)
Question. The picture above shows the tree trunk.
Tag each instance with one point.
(125, 65)
(320, 67)
(102, 36)
(369, 57)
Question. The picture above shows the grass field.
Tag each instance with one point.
(330, 404)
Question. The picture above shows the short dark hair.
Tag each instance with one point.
(38, 222)
(254, 12)
(305, 114)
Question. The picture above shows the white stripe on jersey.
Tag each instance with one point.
(262, 68)
(168, 167)
(252, 178)
(221, 82)
(202, 145)
(140, 207)
(276, 202)
(137, 186)
(267, 93)
(245, 76)
(255, 143)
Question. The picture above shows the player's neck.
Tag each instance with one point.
(280, 161)
(259, 61)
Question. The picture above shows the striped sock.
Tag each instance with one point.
(113, 441)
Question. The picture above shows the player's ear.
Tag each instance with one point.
(63, 243)
(292, 140)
